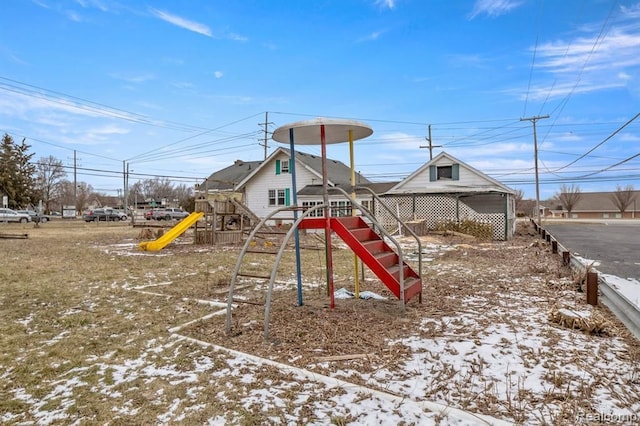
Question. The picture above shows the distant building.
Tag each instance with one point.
(599, 205)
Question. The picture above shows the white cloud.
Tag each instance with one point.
(73, 16)
(270, 45)
(182, 22)
(133, 78)
(237, 37)
(183, 84)
(493, 7)
(104, 133)
(590, 63)
(541, 92)
(371, 37)
(617, 50)
(628, 137)
(390, 4)
(93, 3)
(624, 76)
(218, 74)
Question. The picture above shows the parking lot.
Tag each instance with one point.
(615, 244)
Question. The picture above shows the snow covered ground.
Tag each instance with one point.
(482, 350)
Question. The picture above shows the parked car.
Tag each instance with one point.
(150, 214)
(35, 216)
(122, 215)
(169, 213)
(106, 214)
(9, 215)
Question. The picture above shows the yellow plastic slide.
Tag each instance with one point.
(171, 234)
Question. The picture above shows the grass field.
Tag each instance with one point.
(95, 331)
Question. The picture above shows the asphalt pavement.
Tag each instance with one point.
(615, 244)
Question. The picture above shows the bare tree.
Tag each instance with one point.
(77, 196)
(623, 197)
(518, 195)
(184, 194)
(49, 172)
(569, 197)
(157, 189)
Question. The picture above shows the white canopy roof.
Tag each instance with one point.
(308, 132)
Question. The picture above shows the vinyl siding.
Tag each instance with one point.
(422, 182)
(256, 190)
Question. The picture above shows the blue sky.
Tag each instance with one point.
(178, 89)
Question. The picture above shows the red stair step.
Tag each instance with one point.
(387, 258)
(412, 288)
(364, 234)
(351, 221)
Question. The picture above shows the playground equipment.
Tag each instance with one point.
(172, 234)
(367, 243)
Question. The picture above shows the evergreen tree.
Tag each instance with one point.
(16, 173)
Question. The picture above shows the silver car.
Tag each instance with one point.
(35, 216)
(8, 215)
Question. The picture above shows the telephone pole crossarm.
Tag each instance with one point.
(265, 138)
(430, 146)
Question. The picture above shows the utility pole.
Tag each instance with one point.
(124, 184)
(75, 183)
(535, 152)
(266, 133)
(428, 139)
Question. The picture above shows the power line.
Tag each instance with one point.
(155, 150)
(89, 106)
(618, 130)
(599, 39)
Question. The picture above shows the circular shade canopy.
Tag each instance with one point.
(308, 132)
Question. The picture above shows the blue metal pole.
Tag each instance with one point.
(295, 214)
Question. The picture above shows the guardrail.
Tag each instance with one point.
(626, 311)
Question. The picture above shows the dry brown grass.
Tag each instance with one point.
(79, 302)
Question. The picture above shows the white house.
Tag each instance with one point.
(443, 189)
(267, 185)
(446, 188)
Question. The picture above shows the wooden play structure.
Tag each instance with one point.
(226, 219)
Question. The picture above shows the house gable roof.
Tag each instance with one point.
(227, 178)
(490, 184)
(338, 173)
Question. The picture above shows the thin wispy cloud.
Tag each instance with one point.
(466, 61)
(93, 4)
(590, 62)
(178, 21)
(269, 45)
(218, 74)
(103, 133)
(12, 56)
(401, 140)
(73, 16)
(237, 37)
(542, 92)
(617, 51)
(493, 8)
(371, 37)
(133, 78)
(387, 4)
